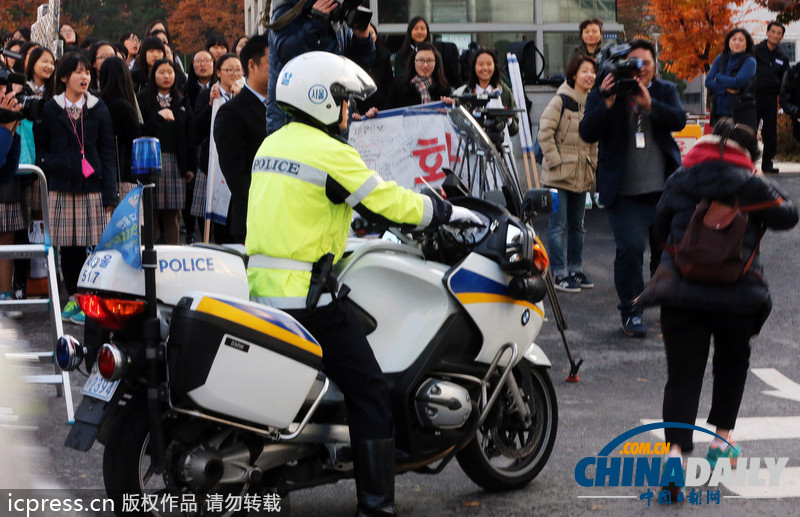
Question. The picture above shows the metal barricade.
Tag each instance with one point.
(51, 304)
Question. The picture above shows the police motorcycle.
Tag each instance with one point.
(199, 395)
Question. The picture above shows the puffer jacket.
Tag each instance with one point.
(705, 174)
(569, 162)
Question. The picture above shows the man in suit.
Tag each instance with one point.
(239, 129)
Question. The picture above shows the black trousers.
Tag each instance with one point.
(72, 259)
(687, 338)
(348, 360)
(767, 110)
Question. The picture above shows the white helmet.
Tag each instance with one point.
(315, 83)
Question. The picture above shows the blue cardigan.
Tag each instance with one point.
(609, 126)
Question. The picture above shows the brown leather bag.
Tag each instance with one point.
(711, 249)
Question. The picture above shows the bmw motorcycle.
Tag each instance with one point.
(219, 396)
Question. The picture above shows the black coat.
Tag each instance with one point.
(239, 130)
(790, 97)
(126, 128)
(403, 93)
(59, 154)
(381, 73)
(176, 137)
(715, 179)
(610, 127)
(770, 67)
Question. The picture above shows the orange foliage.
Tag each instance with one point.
(692, 33)
(192, 20)
(17, 13)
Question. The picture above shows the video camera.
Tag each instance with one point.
(492, 120)
(31, 106)
(351, 12)
(613, 60)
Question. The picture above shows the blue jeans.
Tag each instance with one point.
(630, 219)
(568, 219)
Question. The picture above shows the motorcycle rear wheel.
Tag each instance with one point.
(503, 455)
(127, 469)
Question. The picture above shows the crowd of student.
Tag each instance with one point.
(98, 97)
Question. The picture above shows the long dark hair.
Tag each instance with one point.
(116, 81)
(438, 71)
(50, 83)
(473, 77)
(742, 134)
(749, 50)
(408, 41)
(149, 43)
(150, 91)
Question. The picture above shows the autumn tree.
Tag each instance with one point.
(692, 32)
(17, 13)
(788, 10)
(193, 20)
(632, 15)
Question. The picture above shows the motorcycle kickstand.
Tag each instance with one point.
(561, 323)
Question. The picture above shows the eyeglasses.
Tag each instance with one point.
(133, 39)
(232, 70)
(203, 61)
(425, 61)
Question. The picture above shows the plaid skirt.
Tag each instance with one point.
(76, 219)
(170, 188)
(33, 197)
(11, 217)
(199, 195)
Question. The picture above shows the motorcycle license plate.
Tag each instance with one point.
(97, 387)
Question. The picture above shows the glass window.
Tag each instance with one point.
(559, 11)
(788, 48)
(558, 47)
(457, 11)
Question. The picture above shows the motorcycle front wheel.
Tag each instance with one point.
(505, 454)
(133, 485)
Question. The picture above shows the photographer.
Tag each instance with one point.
(636, 154)
(316, 25)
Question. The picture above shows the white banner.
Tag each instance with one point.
(409, 145)
(218, 195)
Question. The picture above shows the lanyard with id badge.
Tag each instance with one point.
(639, 136)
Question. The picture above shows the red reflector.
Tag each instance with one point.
(111, 313)
(106, 363)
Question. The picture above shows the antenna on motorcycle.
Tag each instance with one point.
(433, 190)
(146, 164)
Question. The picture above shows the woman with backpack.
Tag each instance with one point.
(731, 80)
(568, 165)
(718, 168)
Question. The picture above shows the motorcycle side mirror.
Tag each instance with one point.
(539, 201)
(452, 186)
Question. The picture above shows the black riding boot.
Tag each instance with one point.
(374, 471)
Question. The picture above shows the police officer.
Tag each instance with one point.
(771, 65)
(306, 181)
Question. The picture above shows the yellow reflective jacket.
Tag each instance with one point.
(304, 187)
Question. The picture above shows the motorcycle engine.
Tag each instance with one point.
(442, 404)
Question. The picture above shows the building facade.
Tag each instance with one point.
(551, 24)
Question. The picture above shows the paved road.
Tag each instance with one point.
(621, 387)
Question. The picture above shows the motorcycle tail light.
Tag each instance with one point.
(540, 258)
(69, 353)
(111, 313)
(111, 362)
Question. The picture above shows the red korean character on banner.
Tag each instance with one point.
(430, 148)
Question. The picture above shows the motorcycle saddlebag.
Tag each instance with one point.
(240, 360)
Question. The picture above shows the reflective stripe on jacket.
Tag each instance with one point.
(305, 185)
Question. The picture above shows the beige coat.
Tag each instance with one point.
(569, 162)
